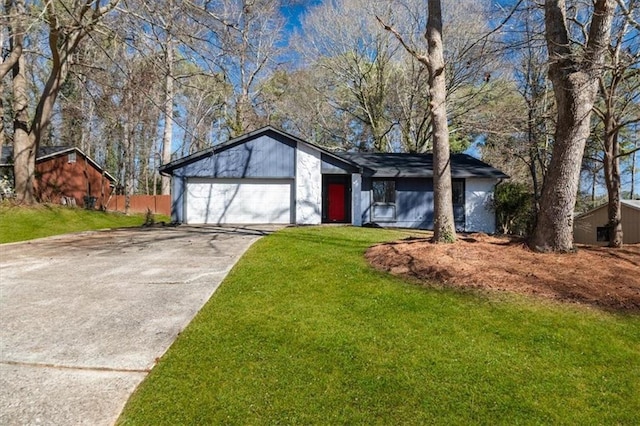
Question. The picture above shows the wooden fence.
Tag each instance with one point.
(159, 204)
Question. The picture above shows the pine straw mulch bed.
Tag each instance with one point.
(597, 276)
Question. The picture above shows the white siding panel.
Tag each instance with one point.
(479, 215)
(238, 201)
(356, 204)
(308, 186)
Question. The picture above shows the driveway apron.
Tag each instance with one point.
(84, 317)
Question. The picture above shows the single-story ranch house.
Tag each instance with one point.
(269, 176)
(65, 175)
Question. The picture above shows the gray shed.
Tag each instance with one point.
(590, 227)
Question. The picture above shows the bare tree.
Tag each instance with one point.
(518, 122)
(356, 56)
(248, 36)
(619, 108)
(67, 26)
(297, 101)
(169, 91)
(164, 26)
(17, 22)
(410, 106)
(574, 74)
(202, 97)
(443, 222)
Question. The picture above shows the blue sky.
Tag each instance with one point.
(292, 13)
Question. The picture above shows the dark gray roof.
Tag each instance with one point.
(372, 164)
(44, 152)
(420, 165)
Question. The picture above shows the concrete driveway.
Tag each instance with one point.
(84, 317)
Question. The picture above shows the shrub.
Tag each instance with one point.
(513, 204)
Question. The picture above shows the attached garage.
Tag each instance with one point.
(239, 201)
(264, 177)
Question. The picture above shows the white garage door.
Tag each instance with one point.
(241, 201)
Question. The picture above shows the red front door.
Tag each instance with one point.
(336, 206)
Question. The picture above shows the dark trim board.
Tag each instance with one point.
(459, 210)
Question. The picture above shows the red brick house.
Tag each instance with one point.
(65, 175)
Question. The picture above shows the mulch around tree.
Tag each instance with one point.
(598, 276)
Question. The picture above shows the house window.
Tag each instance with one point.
(71, 158)
(384, 200)
(384, 191)
(602, 234)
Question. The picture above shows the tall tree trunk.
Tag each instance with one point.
(2, 74)
(168, 113)
(443, 222)
(575, 84)
(2, 136)
(126, 163)
(612, 179)
(633, 171)
(63, 41)
(24, 149)
(444, 229)
(594, 181)
(554, 227)
(24, 143)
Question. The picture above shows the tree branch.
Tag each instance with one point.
(625, 153)
(16, 39)
(422, 58)
(599, 32)
(557, 31)
(628, 14)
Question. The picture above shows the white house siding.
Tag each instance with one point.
(479, 216)
(356, 205)
(308, 186)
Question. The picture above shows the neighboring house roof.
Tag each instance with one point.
(386, 165)
(633, 204)
(176, 164)
(373, 164)
(47, 152)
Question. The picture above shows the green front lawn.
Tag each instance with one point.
(19, 223)
(302, 331)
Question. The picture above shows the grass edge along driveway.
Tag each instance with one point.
(303, 331)
(22, 223)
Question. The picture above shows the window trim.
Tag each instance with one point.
(389, 204)
(71, 157)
